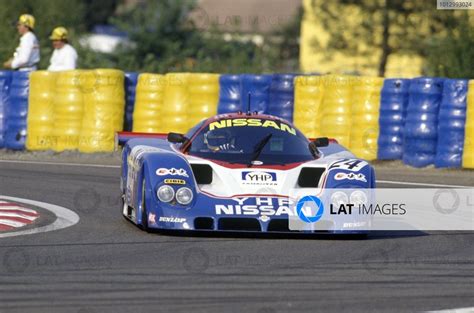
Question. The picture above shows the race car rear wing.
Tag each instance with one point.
(121, 138)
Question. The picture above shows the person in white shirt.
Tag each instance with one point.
(64, 55)
(27, 54)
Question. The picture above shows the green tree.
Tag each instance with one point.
(452, 55)
(164, 38)
(387, 25)
(99, 12)
(286, 44)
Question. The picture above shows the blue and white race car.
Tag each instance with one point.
(232, 173)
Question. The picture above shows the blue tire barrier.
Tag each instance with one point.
(5, 78)
(229, 94)
(393, 106)
(16, 111)
(258, 86)
(421, 126)
(282, 96)
(3, 98)
(451, 123)
(131, 79)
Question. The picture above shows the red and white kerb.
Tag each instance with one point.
(13, 215)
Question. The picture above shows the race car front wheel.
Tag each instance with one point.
(144, 223)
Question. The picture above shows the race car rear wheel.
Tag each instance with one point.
(144, 223)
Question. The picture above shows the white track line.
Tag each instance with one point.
(64, 217)
(118, 166)
(60, 163)
(460, 310)
(420, 184)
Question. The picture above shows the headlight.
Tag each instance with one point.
(184, 195)
(358, 198)
(339, 198)
(165, 193)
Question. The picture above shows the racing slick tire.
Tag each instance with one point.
(144, 224)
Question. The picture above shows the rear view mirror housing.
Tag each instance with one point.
(176, 138)
(321, 142)
(318, 142)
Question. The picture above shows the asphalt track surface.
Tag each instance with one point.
(105, 264)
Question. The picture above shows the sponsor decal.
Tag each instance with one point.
(171, 171)
(260, 206)
(259, 178)
(175, 181)
(255, 122)
(349, 164)
(172, 219)
(350, 176)
(152, 218)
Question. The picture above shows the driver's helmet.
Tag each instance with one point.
(216, 139)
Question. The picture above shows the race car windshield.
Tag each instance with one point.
(238, 140)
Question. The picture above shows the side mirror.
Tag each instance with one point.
(321, 142)
(313, 149)
(176, 138)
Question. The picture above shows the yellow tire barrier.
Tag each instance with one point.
(68, 110)
(174, 112)
(309, 92)
(148, 103)
(104, 105)
(337, 108)
(468, 153)
(40, 110)
(203, 97)
(365, 117)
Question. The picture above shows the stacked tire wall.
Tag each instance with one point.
(282, 96)
(258, 87)
(451, 124)
(423, 121)
(5, 78)
(68, 110)
(174, 102)
(468, 155)
(16, 111)
(203, 97)
(393, 106)
(131, 80)
(421, 127)
(148, 103)
(309, 91)
(104, 103)
(229, 94)
(40, 110)
(337, 108)
(75, 110)
(365, 117)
